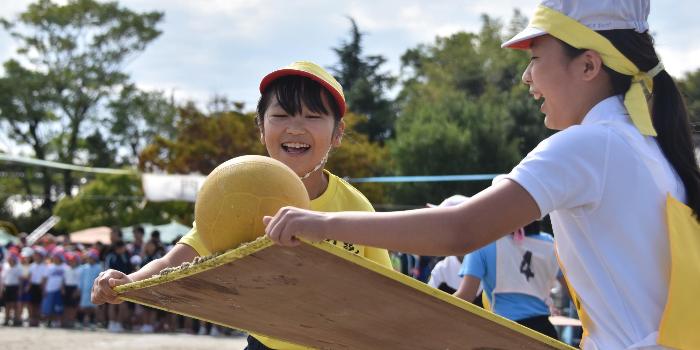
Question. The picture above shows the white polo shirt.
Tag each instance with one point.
(446, 271)
(604, 185)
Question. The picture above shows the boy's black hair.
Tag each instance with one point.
(292, 91)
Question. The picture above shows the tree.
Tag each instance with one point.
(463, 110)
(358, 157)
(26, 110)
(202, 142)
(138, 117)
(76, 52)
(690, 87)
(364, 86)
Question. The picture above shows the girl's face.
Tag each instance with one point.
(551, 77)
(299, 141)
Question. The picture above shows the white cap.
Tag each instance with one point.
(594, 14)
(451, 201)
(27, 252)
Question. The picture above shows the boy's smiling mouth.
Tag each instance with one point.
(295, 147)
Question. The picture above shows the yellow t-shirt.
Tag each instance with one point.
(339, 196)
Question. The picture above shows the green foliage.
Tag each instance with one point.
(358, 157)
(77, 52)
(139, 116)
(364, 86)
(202, 142)
(463, 111)
(690, 87)
(116, 200)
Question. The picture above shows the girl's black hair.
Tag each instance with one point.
(292, 91)
(668, 108)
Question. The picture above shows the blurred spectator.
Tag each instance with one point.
(71, 293)
(118, 259)
(37, 273)
(52, 303)
(25, 259)
(136, 247)
(87, 275)
(10, 289)
(518, 272)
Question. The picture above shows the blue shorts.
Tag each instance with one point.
(52, 304)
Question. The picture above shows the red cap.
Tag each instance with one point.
(312, 71)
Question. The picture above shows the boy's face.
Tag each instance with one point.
(299, 141)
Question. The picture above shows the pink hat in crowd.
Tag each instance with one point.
(39, 250)
(72, 257)
(93, 253)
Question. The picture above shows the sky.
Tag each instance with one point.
(225, 47)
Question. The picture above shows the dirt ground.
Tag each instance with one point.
(61, 339)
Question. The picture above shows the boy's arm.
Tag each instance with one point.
(176, 256)
(102, 288)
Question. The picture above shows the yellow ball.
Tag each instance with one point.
(238, 193)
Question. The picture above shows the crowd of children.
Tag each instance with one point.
(48, 284)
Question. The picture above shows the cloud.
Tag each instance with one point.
(226, 46)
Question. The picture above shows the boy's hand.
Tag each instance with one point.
(102, 289)
(290, 223)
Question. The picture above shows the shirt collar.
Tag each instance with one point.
(609, 109)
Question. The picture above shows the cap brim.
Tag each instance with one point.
(288, 71)
(523, 39)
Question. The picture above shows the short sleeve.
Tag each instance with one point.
(473, 265)
(566, 170)
(193, 240)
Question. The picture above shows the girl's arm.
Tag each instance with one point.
(487, 216)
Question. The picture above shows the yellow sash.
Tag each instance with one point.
(680, 323)
(681, 318)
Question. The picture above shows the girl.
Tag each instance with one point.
(37, 273)
(87, 274)
(609, 179)
(11, 283)
(53, 286)
(71, 296)
(300, 120)
(517, 272)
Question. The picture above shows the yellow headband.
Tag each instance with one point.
(579, 36)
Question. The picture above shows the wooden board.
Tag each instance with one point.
(322, 296)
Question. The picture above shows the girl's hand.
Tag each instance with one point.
(102, 288)
(291, 223)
